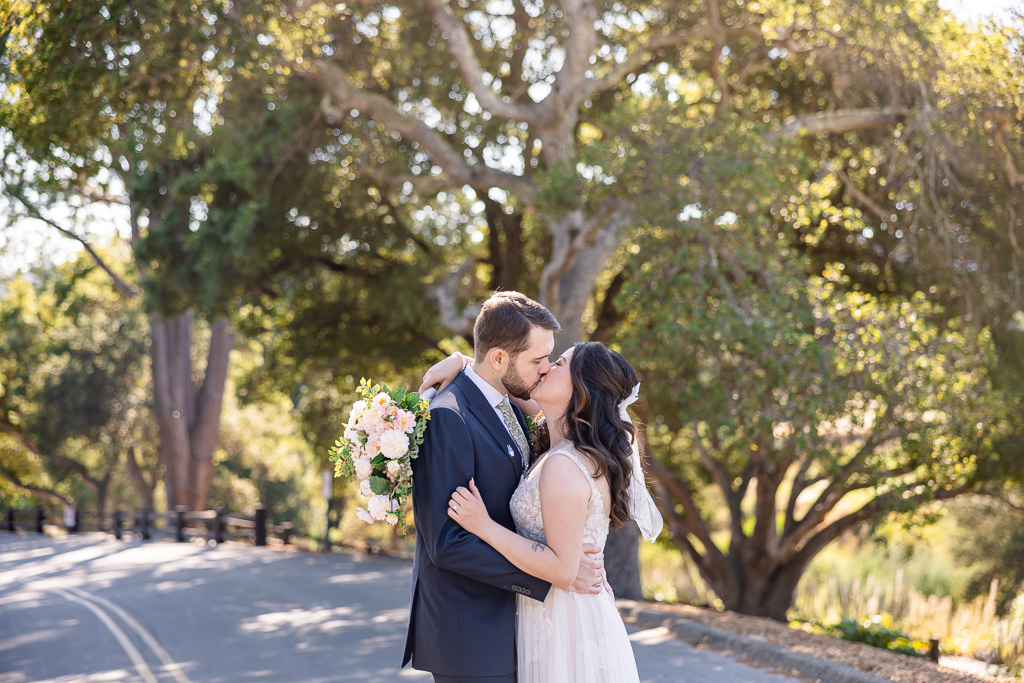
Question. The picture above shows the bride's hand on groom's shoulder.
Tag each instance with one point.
(467, 508)
(444, 372)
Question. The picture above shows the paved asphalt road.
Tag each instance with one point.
(91, 609)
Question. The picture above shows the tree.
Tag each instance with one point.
(71, 408)
(784, 405)
(523, 108)
(138, 122)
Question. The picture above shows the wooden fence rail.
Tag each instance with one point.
(182, 524)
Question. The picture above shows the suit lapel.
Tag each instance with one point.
(490, 420)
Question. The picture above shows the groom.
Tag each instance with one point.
(462, 623)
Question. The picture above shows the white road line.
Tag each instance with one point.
(169, 664)
(122, 638)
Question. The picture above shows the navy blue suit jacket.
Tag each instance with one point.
(463, 616)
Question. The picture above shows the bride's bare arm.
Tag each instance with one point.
(444, 372)
(564, 498)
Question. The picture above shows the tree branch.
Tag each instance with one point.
(461, 49)
(453, 316)
(842, 121)
(35, 490)
(333, 80)
(864, 200)
(569, 86)
(832, 494)
(122, 286)
(656, 43)
(723, 479)
(869, 510)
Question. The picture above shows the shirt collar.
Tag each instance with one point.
(493, 396)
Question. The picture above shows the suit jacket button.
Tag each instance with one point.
(526, 591)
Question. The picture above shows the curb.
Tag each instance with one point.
(763, 653)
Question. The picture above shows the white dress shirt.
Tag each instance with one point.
(493, 396)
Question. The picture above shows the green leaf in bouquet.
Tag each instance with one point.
(399, 394)
(379, 485)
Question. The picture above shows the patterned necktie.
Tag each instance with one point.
(513, 427)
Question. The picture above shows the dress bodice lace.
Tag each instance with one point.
(526, 510)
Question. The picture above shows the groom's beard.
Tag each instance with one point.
(515, 385)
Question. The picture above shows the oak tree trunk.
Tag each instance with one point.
(188, 417)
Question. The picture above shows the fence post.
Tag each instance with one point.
(218, 527)
(145, 524)
(286, 532)
(117, 521)
(260, 519)
(179, 513)
(40, 517)
(11, 521)
(933, 650)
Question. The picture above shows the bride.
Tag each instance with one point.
(587, 479)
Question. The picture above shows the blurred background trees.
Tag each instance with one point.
(802, 221)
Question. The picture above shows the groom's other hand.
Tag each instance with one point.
(591, 577)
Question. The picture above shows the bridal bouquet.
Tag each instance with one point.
(381, 439)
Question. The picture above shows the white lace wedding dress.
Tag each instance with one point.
(570, 637)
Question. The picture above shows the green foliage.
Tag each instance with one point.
(262, 458)
(876, 631)
(71, 397)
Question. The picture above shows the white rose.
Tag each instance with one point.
(378, 506)
(357, 409)
(364, 488)
(372, 421)
(351, 435)
(364, 467)
(394, 469)
(364, 515)
(394, 443)
(391, 519)
(381, 400)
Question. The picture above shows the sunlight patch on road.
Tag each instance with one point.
(651, 636)
(357, 577)
(40, 636)
(19, 555)
(299, 619)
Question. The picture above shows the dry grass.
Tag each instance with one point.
(887, 665)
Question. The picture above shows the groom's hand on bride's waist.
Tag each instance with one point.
(591, 577)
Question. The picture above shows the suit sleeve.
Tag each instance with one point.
(446, 462)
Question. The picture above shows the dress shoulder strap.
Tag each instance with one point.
(595, 492)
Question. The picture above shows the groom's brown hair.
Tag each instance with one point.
(505, 321)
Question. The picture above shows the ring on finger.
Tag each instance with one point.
(455, 505)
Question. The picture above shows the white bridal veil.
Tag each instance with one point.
(641, 505)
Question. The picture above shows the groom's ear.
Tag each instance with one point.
(497, 358)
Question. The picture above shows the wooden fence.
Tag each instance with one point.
(181, 524)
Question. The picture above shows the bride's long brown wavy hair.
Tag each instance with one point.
(601, 379)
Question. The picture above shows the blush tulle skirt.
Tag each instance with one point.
(573, 638)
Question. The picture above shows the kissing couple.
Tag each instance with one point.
(508, 578)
